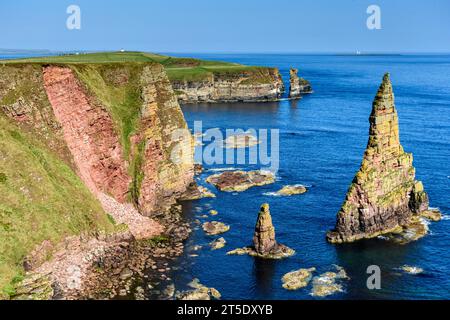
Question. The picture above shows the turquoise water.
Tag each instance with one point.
(322, 138)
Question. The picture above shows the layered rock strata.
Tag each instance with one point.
(261, 84)
(384, 196)
(298, 86)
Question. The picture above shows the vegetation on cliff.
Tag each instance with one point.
(41, 199)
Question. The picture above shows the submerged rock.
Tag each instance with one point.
(298, 86)
(218, 244)
(384, 195)
(411, 269)
(295, 280)
(214, 228)
(264, 243)
(292, 190)
(237, 181)
(327, 283)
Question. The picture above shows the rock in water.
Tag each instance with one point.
(384, 195)
(238, 181)
(298, 86)
(264, 243)
(264, 237)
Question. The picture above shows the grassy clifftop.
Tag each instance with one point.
(178, 69)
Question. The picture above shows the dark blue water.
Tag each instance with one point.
(322, 140)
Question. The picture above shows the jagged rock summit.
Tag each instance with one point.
(264, 242)
(384, 196)
(298, 86)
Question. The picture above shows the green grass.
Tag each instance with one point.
(41, 198)
(178, 69)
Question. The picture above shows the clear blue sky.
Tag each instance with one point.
(227, 26)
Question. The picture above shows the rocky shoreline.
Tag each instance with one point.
(108, 267)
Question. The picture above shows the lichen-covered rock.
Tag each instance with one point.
(384, 194)
(214, 228)
(329, 282)
(34, 287)
(291, 190)
(295, 280)
(200, 292)
(432, 215)
(264, 243)
(237, 181)
(196, 192)
(218, 244)
(298, 86)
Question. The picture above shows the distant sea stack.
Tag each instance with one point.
(384, 195)
(298, 86)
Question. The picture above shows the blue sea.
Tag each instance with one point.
(322, 140)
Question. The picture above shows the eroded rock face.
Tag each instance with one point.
(384, 194)
(265, 84)
(298, 86)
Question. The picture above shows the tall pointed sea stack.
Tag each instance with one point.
(384, 195)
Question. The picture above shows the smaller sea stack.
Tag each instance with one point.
(298, 86)
(264, 244)
(264, 237)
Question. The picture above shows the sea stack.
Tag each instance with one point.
(264, 243)
(264, 237)
(298, 86)
(384, 196)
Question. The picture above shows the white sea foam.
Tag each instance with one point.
(271, 194)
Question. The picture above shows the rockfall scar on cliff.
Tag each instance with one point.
(384, 195)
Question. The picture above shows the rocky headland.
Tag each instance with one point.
(250, 84)
(384, 197)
